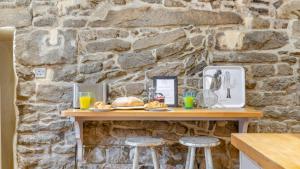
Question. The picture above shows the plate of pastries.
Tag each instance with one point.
(156, 106)
(101, 107)
(128, 103)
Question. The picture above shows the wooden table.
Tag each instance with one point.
(242, 115)
(268, 151)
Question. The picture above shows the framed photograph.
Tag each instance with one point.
(228, 83)
(168, 86)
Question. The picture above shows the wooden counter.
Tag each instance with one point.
(242, 115)
(174, 114)
(270, 151)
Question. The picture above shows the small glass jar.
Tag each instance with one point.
(151, 94)
(160, 97)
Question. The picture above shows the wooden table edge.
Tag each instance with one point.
(254, 154)
(229, 113)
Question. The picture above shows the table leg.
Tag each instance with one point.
(243, 125)
(79, 139)
(243, 128)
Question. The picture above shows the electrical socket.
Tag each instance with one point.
(40, 72)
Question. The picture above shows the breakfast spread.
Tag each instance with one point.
(155, 105)
(127, 102)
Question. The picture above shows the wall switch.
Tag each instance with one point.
(40, 72)
(76, 2)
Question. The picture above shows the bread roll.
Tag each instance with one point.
(101, 105)
(127, 102)
(155, 104)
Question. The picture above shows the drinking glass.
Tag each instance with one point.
(189, 99)
(85, 100)
(151, 94)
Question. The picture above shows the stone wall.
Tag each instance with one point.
(126, 42)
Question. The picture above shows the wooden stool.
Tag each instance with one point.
(197, 142)
(144, 142)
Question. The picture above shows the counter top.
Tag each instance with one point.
(270, 151)
(175, 113)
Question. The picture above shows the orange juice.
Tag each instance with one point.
(85, 102)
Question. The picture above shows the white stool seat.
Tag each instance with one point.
(144, 141)
(201, 141)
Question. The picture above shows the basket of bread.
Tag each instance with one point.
(128, 103)
(156, 106)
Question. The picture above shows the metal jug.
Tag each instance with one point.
(216, 80)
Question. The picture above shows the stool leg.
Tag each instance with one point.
(154, 158)
(192, 157)
(188, 158)
(208, 158)
(136, 158)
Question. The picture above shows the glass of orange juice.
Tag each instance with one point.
(85, 100)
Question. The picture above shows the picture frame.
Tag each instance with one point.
(231, 91)
(168, 86)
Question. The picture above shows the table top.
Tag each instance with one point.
(175, 113)
(270, 151)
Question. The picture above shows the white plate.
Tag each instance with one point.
(237, 90)
(130, 108)
(100, 110)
